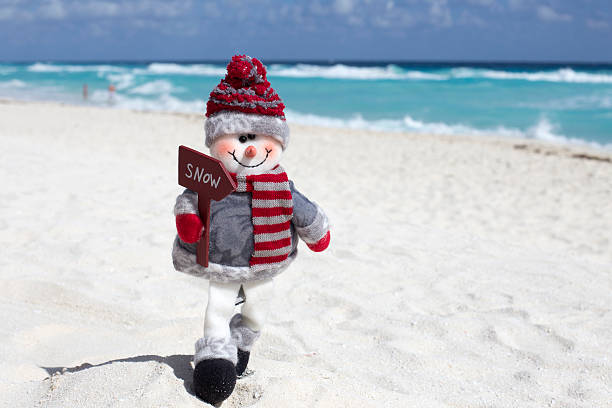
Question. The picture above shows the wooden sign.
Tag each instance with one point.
(208, 177)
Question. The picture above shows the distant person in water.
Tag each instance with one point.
(111, 94)
(85, 92)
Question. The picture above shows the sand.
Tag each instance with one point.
(463, 271)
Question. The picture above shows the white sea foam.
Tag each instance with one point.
(406, 124)
(180, 69)
(388, 72)
(13, 83)
(164, 102)
(20, 90)
(41, 67)
(340, 71)
(393, 72)
(159, 86)
(7, 70)
(120, 81)
(599, 100)
(542, 130)
(561, 75)
(545, 130)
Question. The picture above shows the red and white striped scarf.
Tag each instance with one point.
(271, 210)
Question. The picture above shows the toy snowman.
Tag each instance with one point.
(253, 231)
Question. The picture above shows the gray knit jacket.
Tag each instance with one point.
(231, 237)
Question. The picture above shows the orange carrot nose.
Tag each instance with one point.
(250, 151)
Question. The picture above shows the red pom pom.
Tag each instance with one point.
(261, 70)
(240, 71)
(234, 82)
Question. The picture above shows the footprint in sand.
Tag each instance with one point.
(514, 330)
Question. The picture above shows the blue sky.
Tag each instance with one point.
(562, 30)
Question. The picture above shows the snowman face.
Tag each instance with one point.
(247, 153)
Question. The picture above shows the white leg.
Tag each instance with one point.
(258, 297)
(220, 308)
(217, 341)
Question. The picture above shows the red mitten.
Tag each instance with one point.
(189, 227)
(321, 244)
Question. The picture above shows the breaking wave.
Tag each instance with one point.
(183, 69)
(164, 102)
(5, 70)
(542, 130)
(42, 67)
(342, 71)
(159, 86)
(559, 75)
(12, 84)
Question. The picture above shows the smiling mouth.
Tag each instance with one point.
(244, 165)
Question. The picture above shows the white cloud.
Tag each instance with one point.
(597, 24)
(317, 8)
(469, 19)
(486, 3)
(12, 10)
(98, 8)
(98, 30)
(211, 10)
(546, 13)
(440, 13)
(18, 10)
(515, 4)
(379, 21)
(391, 17)
(354, 20)
(343, 6)
(7, 13)
(164, 8)
(53, 9)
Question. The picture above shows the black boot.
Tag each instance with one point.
(214, 380)
(243, 361)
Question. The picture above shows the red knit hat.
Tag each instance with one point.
(244, 102)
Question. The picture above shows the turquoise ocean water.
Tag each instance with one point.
(563, 103)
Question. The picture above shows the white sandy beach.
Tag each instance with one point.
(463, 271)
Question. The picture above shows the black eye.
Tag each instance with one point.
(251, 136)
(242, 139)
